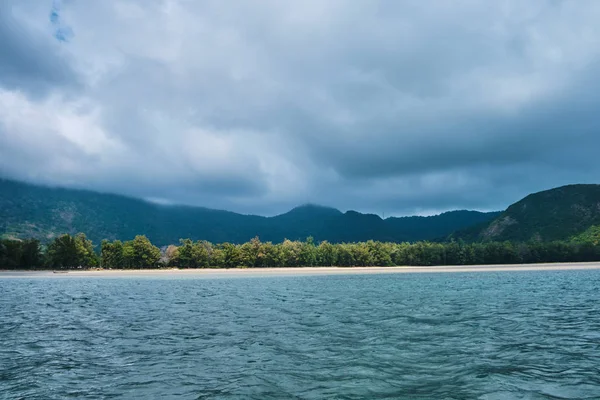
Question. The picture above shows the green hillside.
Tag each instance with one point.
(556, 214)
(28, 211)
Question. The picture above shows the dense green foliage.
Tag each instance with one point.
(591, 235)
(28, 211)
(136, 253)
(556, 214)
(20, 254)
(76, 251)
(68, 251)
(255, 254)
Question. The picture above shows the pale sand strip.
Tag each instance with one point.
(258, 272)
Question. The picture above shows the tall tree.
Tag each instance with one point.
(326, 254)
(112, 254)
(11, 253)
(231, 255)
(308, 253)
(31, 255)
(140, 253)
(62, 252)
(85, 251)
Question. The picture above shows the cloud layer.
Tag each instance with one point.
(385, 106)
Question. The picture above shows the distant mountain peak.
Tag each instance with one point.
(313, 206)
(310, 209)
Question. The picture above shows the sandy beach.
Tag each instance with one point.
(263, 272)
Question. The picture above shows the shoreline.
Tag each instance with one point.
(302, 271)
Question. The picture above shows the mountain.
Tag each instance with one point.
(427, 228)
(43, 212)
(555, 214)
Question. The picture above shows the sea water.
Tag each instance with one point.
(489, 335)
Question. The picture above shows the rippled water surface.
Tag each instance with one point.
(505, 335)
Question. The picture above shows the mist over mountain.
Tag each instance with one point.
(44, 213)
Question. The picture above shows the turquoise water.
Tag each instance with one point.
(505, 335)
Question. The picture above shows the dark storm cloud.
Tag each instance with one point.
(29, 60)
(382, 106)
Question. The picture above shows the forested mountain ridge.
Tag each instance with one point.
(556, 214)
(30, 211)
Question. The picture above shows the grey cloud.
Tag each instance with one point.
(393, 106)
(29, 60)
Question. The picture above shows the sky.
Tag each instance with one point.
(394, 107)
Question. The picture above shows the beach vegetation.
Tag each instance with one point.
(67, 251)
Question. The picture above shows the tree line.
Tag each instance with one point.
(67, 252)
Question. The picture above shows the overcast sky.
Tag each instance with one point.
(395, 107)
